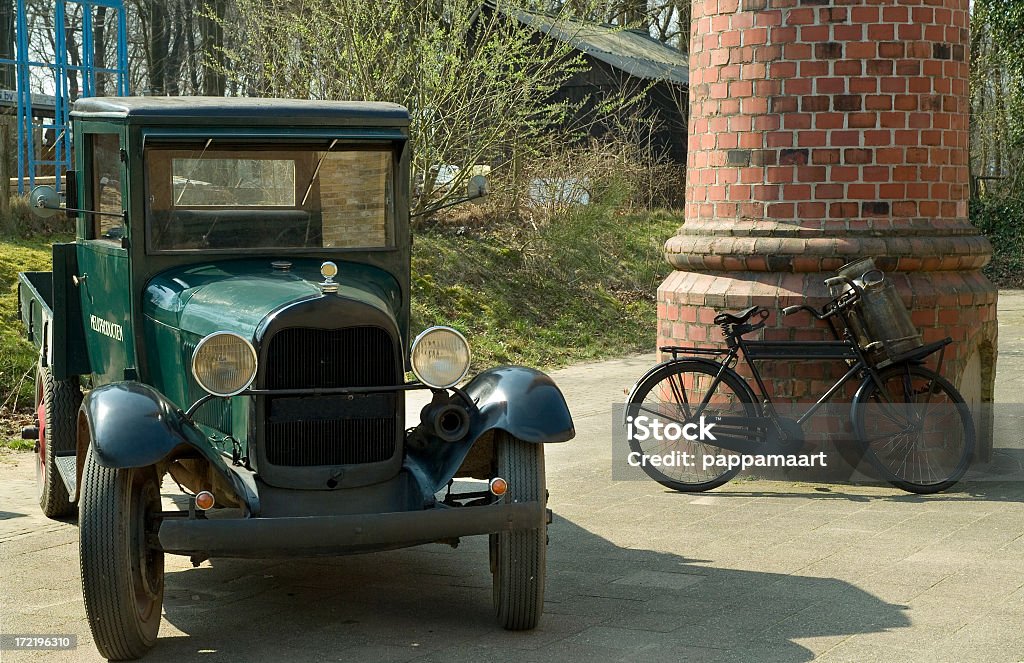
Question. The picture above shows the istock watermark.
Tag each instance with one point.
(645, 428)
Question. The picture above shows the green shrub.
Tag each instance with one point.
(1001, 219)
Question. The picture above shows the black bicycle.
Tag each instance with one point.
(909, 422)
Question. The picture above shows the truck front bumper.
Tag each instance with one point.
(340, 535)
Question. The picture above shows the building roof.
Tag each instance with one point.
(632, 51)
(248, 109)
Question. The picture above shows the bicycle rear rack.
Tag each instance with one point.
(678, 350)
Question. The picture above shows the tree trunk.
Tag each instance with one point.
(978, 161)
(159, 43)
(191, 61)
(7, 74)
(5, 178)
(74, 56)
(100, 51)
(213, 43)
(174, 58)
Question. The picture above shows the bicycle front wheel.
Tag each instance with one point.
(673, 393)
(915, 430)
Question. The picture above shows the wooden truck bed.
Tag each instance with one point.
(50, 310)
(35, 307)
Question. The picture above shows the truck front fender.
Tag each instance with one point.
(130, 424)
(133, 425)
(523, 402)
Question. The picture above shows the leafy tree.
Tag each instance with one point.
(997, 93)
(477, 84)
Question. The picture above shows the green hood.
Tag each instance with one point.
(238, 295)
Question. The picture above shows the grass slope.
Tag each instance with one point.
(580, 287)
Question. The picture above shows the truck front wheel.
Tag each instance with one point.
(122, 569)
(518, 558)
(57, 403)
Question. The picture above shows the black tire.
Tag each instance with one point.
(671, 389)
(122, 575)
(57, 403)
(519, 558)
(921, 449)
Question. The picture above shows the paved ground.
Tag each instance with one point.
(761, 571)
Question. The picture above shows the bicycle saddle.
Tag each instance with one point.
(737, 318)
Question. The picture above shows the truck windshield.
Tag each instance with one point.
(237, 197)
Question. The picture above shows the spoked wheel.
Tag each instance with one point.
(920, 438)
(519, 558)
(122, 570)
(673, 393)
(57, 403)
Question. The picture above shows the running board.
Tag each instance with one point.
(67, 466)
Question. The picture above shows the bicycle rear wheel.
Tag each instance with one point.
(922, 438)
(672, 393)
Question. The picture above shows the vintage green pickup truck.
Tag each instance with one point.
(234, 314)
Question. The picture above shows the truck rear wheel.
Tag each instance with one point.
(122, 572)
(519, 558)
(57, 403)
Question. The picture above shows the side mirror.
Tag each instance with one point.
(45, 201)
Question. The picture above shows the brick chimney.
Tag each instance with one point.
(821, 132)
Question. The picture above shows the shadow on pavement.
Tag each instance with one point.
(999, 480)
(603, 602)
(964, 491)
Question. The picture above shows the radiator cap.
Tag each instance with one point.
(329, 270)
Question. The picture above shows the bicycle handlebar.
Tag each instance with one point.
(789, 310)
(831, 308)
(842, 280)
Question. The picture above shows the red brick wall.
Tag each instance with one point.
(851, 116)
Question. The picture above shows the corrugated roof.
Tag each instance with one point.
(628, 50)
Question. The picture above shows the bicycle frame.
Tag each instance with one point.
(842, 349)
(848, 351)
(753, 351)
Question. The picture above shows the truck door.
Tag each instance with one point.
(104, 276)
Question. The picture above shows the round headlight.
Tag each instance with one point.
(440, 357)
(224, 363)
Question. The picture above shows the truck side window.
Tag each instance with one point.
(106, 187)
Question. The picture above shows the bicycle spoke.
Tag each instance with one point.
(922, 439)
(679, 391)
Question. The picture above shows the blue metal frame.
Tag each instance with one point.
(28, 163)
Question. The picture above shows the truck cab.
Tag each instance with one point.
(234, 315)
